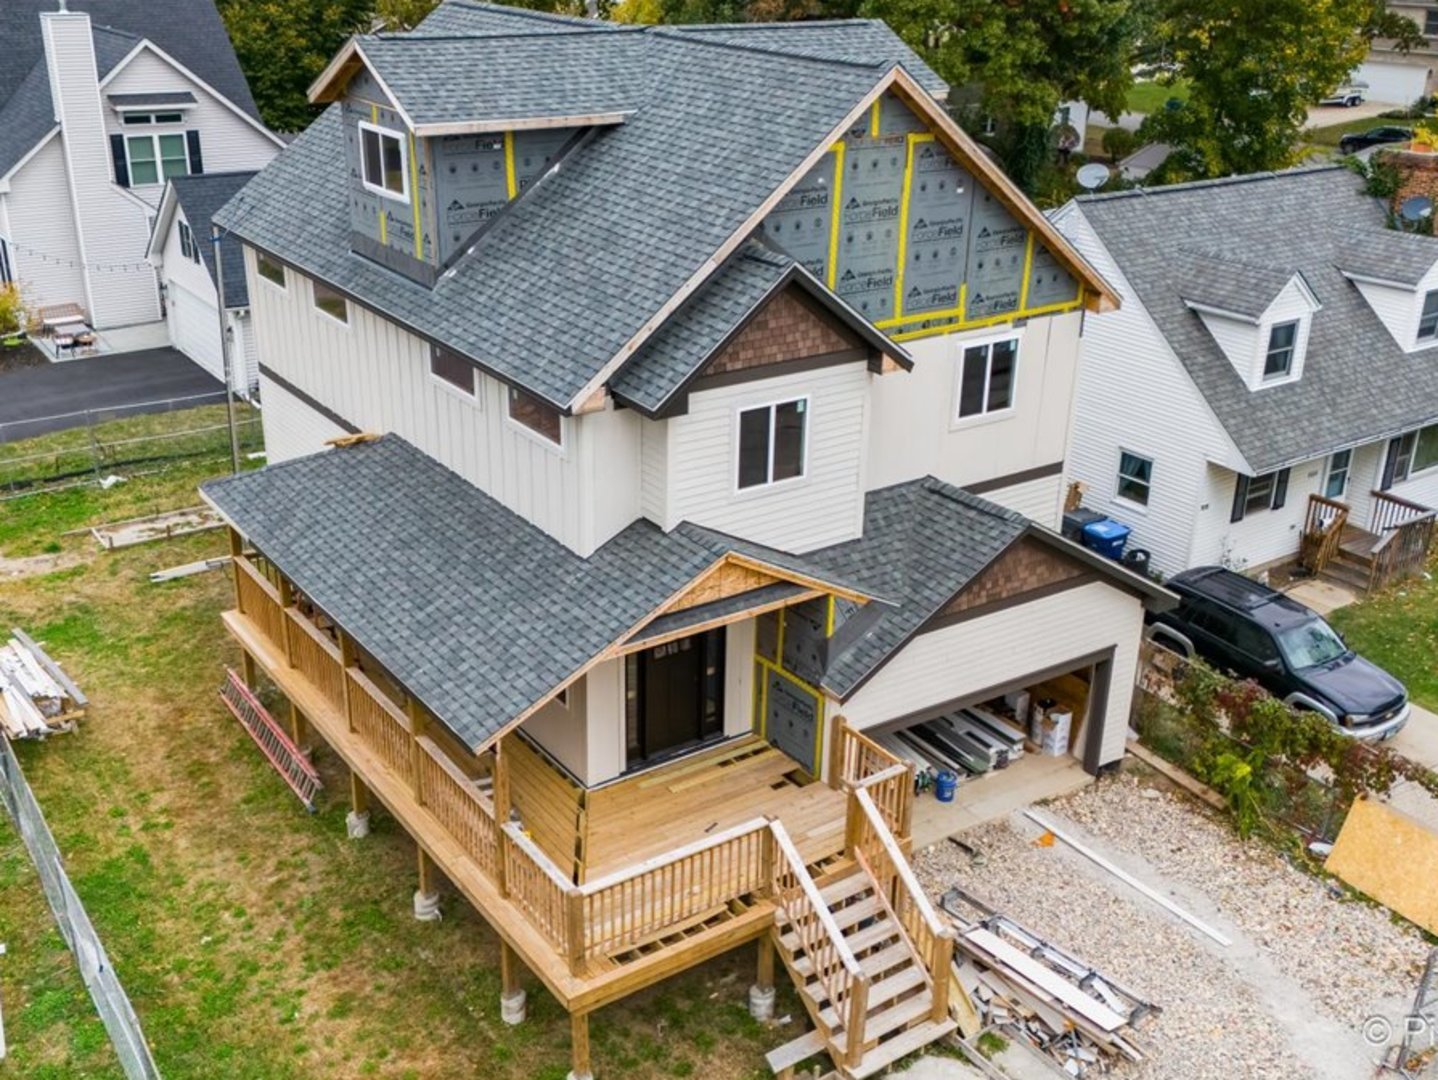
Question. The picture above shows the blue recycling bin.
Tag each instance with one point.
(945, 784)
(1107, 537)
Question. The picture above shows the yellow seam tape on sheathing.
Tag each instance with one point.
(510, 183)
(414, 199)
(838, 151)
(1028, 270)
(383, 227)
(901, 261)
(874, 119)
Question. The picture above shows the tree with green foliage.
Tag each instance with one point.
(1253, 70)
(1021, 60)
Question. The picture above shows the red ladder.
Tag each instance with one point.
(279, 748)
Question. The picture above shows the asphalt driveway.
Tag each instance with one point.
(53, 397)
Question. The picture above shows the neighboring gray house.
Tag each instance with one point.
(1277, 347)
(182, 251)
(95, 116)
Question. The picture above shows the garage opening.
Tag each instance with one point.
(1004, 747)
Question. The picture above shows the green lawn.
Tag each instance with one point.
(1147, 97)
(1398, 630)
(1330, 135)
(254, 939)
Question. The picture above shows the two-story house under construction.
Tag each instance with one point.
(724, 388)
(1269, 391)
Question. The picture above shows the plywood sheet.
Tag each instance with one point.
(1391, 857)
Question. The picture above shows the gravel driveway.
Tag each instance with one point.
(1286, 999)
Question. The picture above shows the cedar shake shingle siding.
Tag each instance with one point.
(787, 328)
(1027, 566)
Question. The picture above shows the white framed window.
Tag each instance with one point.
(1135, 477)
(331, 302)
(988, 373)
(453, 371)
(140, 119)
(187, 243)
(1428, 320)
(156, 158)
(270, 270)
(532, 414)
(1267, 491)
(772, 443)
(384, 162)
(1335, 482)
(1282, 346)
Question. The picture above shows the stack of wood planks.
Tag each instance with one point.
(36, 697)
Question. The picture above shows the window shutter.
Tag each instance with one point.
(1390, 463)
(1280, 488)
(192, 143)
(122, 166)
(1240, 496)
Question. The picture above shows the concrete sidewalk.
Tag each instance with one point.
(55, 397)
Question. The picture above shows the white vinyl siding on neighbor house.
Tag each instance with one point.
(824, 506)
(41, 220)
(980, 653)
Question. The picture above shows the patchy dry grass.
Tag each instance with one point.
(254, 939)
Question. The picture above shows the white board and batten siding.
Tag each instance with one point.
(376, 376)
(967, 658)
(292, 429)
(700, 463)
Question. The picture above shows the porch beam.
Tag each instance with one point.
(722, 620)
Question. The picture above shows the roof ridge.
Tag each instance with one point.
(115, 30)
(1219, 181)
(547, 35)
(799, 24)
(524, 13)
(680, 34)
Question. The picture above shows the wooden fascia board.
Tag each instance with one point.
(1100, 296)
(638, 645)
(797, 578)
(483, 127)
(729, 246)
(330, 82)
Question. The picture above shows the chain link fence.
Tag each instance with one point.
(50, 453)
(111, 1001)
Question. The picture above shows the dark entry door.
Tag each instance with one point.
(674, 696)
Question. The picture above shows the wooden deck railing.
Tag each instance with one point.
(1405, 531)
(1322, 532)
(381, 724)
(317, 658)
(259, 601)
(890, 780)
(547, 898)
(465, 813)
(874, 847)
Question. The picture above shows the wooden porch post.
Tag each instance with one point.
(248, 669)
(357, 820)
(511, 994)
(287, 601)
(501, 816)
(426, 897)
(347, 661)
(415, 712)
(237, 551)
(761, 994)
(579, 1047)
(299, 730)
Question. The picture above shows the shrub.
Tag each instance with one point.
(14, 316)
(1119, 143)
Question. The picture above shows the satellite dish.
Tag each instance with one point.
(1415, 209)
(1092, 177)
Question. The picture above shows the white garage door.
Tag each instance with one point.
(1393, 84)
(195, 329)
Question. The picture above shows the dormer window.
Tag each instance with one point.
(384, 162)
(1428, 320)
(1282, 343)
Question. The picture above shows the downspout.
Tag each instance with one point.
(225, 349)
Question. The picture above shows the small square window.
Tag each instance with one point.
(331, 302)
(1135, 477)
(539, 417)
(1282, 343)
(269, 269)
(986, 378)
(771, 443)
(453, 369)
(384, 158)
(1428, 321)
(187, 242)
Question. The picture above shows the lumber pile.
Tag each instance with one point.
(36, 697)
(1034, 991)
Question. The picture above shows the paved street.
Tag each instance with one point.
(53, 397)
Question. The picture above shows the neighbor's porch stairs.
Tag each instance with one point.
(898, 1015)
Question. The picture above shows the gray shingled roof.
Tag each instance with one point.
(543, 75)
(923, 541)
(471, 17)
(199, 197)
(1358, 385)
(1243, 288)
(482, 615)
(166, 97)
(578, 266)
(191, 31)
(1387, 255)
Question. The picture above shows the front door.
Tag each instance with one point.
(674, 696)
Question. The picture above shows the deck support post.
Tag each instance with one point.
(512, 997)
(761, 994)
(357, 820)
(300, 730)
(426, 897)
(248, 669)
(579, 1047)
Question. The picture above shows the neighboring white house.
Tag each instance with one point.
(182, 250)
(1276, 343)
(95, 116)
(1401, 78)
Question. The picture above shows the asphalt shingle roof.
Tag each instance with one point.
(168, 97)
(578, 266)
(1244, 288)
(199, 197)
(1388, 255)
(470, 17)
(473, 609)
(1358, 385)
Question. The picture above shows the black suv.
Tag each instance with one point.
(1240, 625)
(1355, 141)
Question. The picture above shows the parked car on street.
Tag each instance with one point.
(1380, 136)
(1243, 626)
(1348, 95)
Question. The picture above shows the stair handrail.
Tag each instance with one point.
(1322, 536)
(846, 985)
(907, 895)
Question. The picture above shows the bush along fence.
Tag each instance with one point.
(111, 1001)
(1271, 764)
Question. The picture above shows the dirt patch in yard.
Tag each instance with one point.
(23, 355)
(1287, 998)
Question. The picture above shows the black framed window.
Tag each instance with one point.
(987, 376)
(453, 369)
(771, 442)
(269, 269)
(1282, 345)
(1135, 477)
(1268, 491)
(331, 302)
(187, 242)
(542, 419)
(1430, 23)
(1428, 321)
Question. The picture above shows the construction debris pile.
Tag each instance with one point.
(1030, 989)
(36, 697)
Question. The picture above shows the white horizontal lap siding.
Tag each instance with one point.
(292, 429)
(1397, 309)
(45, 249)
(823, 507)
(1263, 536)
(915, 428)
(654, 470)
(227, 142)
(1040, 500)
(978, 654)
(1134, 394)
(1420, 488)
(376, 376)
